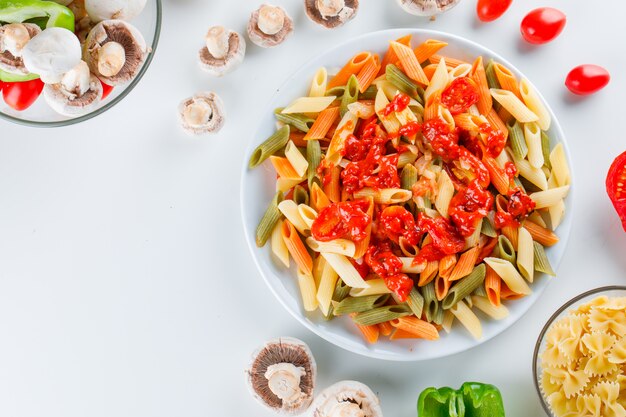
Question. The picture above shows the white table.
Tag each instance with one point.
(126, 288)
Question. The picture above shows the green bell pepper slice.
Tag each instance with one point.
(45, 14)
(473, 399)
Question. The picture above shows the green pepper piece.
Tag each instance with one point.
(8, 77)
(20, 11)
(473, 399)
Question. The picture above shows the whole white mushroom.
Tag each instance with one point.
(52, 53)
(100, 10)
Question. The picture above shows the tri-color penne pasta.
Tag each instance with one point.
(414, 190)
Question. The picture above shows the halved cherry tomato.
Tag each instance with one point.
(21, 95)
(542, 25)
(460, 95)
(106, 90)
(616, 186)
(490, 10)
(587, 79)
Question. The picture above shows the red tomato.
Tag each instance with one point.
(460, 95)
(343, 219)
(1, 85)
(396, 221)
(587, 79)
(490, 10)
(106, 90)
(616, 186)
(22, 95)
(542, 25)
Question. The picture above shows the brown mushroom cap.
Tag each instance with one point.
(214, 121)
(126, 35)
(13, 64)
(234, 57)
(258, 37)
(71, 105)
(284, 350)
(344, 16)
(427, 7)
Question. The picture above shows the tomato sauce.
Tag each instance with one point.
(399, 103)
(388, 266)
(445, 236)
(518, 207)
(460, 95)
(347, 219)
(442, 140)
(468, 206)
(396, 222)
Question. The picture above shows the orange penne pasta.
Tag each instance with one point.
(368, 73)
(418, 327)
(504, 114)
(333, 188)
(442, 286)
(297, 138)
(296, 248)
(427, 49)
(363, 245)
(318, 198)
(391, 57)
(507, 294)
(385, 328)
(322, 124)
(431, 109)
(451, 62)
(400, 334)
(465, 264)
(506, 79)
(499, 178)
(351, 68)
(446, 265)
(370, 333)
(283, 167)
(496, 122)
(485, 101)
(430, 69)
(429, 273)
(493, 284)
(409, 63)
(468, 121)
(511, 233)
(541, 234)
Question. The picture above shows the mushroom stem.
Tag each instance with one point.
(283, 380)
(330, 8)
(198, 113)
(217, 41)
(346, 409)
(111, 59)
(271, 19)
(15, 38)
(77, 81)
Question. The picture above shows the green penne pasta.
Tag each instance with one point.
(369, 94)
(408, 177)
(341, 291)
(270, 146)
(465, 287)
(487, 228)
(415, 301)
(268, 221)
(480, 291)
(360, 304)
(542, 264)
(313, 156)
(403, 83)
(506, 250)
(336, 91)
(516, 139)
(382, 314)
(492, 79)
(299, 121)
(350, 95)
(438, 317)
(300, 195)
(545, 149)
(431, 305)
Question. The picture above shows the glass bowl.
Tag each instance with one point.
(609, 291)
(42, 115)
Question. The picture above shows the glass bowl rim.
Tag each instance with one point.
(112, 103)
(549, 323)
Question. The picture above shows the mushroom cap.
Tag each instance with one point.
(346, 392)
(13, 64)
(216, 119)
(126, 35)
(51, 53)
(263, 39)
(282, 350)
(427, 7)
(68, 104)
(100, 10)
(234, 57)
(330, 22)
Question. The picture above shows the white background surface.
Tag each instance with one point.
(126, 288)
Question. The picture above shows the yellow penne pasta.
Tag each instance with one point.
(438, 81)
(326, 288)
(534, 103)
(319, 200)
(345, 270)
(560, 169)
(391, 124)
(337, 144)
(285, 184)
(497, 313)
(374, 287)
(296, 159)
(385, 195)
(525, 254)
(362, 109)
(448, 320)
(318, 85)
(509, 275)
(279, 249)
(290, 210)
(549, 198)
(308, 292)
(468, 319)
(556, 213)
(532, 174)
(532, 134)
(445, 192)
(460, 71)
(513, 105)
(307, 214)
(309, 104)
(340, 246)
(409, 268)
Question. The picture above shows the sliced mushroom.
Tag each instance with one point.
(427, 7)
(100, 10)
(115, 51)
(331, 13)
(346, 399)
(202, 113)
(79, 92)
(282, 375)
(269, 26)
(52, 53)
(223, 52)
(13, 39)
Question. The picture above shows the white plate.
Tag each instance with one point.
(258, 188)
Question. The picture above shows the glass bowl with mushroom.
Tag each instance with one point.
(65, 61)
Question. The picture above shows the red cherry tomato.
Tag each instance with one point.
(106, 90)
(460, 95)
(587, 79)
(22, 95)
(490, 10)
(542, 25)
(1, 85)
(616, 186)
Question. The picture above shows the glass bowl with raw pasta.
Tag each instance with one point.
(579, 364)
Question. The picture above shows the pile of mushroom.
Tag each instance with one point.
(269, 26)
(223, 52)
(427, 7)
(331, 13)
(203, 113)
(51, 53)
(78, 92)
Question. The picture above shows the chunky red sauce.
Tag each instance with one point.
(510, 169)
(428, 253)
(396, 221)
(399, 103)
(518, 207)
(468, 206)
(442, 140)
(388, 266)
(445, 236)
(495, 140)
(460, 95)
(346, 219)
(468, 167)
